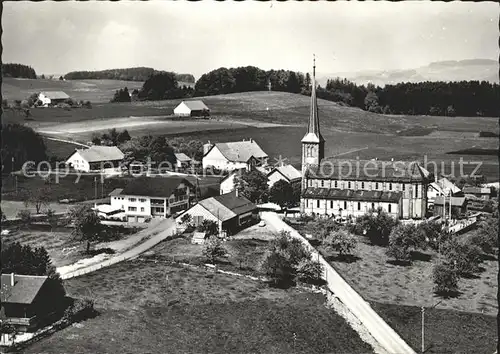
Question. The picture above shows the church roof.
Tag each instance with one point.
(313, 134)
(349, 194)
(367, 170)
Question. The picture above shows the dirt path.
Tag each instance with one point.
(128, 248)
(386, 337)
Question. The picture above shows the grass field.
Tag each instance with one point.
(197, 312)
(378, 280)
(446, 331)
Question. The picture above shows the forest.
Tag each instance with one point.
(127, 74)
(18, 71)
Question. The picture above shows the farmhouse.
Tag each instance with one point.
(192, 109)
(230, 211)
(27, 300)
(286, 173)
(458, 206)
(183, 161)
(152, 197)
(234, 155)
(443, 186)
(478, 192)
(97, 158)
(51, 98)
(353, 187)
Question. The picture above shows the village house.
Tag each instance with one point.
(232, 156)
(442, 186)
(478, 192)
(183, 161)
(51, 98)
(350, 188)
(27, 301)
(151, 197)
(286, 173)
(458, 207)
(231, 212)
(192, 109)
(105, 159)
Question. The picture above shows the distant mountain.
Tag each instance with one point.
(449, 70)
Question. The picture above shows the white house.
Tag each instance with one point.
(227, 184)
(105, 159)
(49, 98)
(183, 161)
(441, 187)
(286, 173)
(191, 109)
(152, 197)
(234, 155)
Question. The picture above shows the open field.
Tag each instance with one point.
(377, 280)
(446, 331)
(86, 90)
(197, 312)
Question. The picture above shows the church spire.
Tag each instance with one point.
(313, 134)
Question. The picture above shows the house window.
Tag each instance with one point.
(349, 185)
(322, 183)
(390, 186)
(131, 199)
(390, 208)
(362, 185)
(359, 206)
(132, 208)
(376, 186)
(331, 204)
(416, 191)
(336, 184)
(317, 204)
(142, 200)
(403, 186)
(142, 209)
(345, 205)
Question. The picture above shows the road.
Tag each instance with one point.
(156, 233)
(374, 324)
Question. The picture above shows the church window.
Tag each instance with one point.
(416, 191)
(317, 204)
(403, 186)
(359, 206)
(349, 185)
(376, 186)
(373, 206)
(322, 183)
(345, 205)
(336, 184)
(331, 204)
(362, 185)
(390, 208)
(390, 186)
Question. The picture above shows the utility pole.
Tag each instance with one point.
(423, 331)
(95, 187)
(102, 188)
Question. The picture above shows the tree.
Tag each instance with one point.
(321, 228)
(2, 216)
(403, 239)
(121, 95)
(87, 225)
(61, 78)
(342, 242)
(51, 219)
(38, 198)
(214, 250)
(96, 139)
(186, 219)
(464, 256)
(25, 216)
(282, 193)
(376, 225)
(486, 235)
(371, 102)
(159, 86)
(252, 185)
(209, 227)
(445, 280)
(309, 271)
(122, 137)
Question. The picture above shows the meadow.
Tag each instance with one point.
(151, 307)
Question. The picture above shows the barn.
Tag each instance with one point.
(51, 98)
(192, 109)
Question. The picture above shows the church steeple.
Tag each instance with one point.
(313, 144)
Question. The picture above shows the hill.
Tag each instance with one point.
(450, 70)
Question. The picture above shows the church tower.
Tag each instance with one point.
(313, 144)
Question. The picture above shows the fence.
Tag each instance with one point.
(337, 285)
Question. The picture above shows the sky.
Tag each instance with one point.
(197, 37)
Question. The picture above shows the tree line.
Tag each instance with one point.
(18, 70)
(20, 144)
(127, 74)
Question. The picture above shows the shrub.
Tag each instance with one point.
(209, 227)
(214, 250)
(321, 228)
(25, 216)
(402, 240)
(309, 271)
(376, 225)
(80, 310)
(445, 279)
(342, 242)
(464, 256)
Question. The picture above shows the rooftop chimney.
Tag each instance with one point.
(12, 279)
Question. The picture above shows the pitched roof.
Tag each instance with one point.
(290, 172)
(455, 201)
(182, 157)
(227, 206)
(161, 187)
(115, 192)
(240, 151)
(476, 190)
(367, 170)
(55, 95)
(24, 291)
(195, 105)
(348, 194)
(97, 153)
(447, 185)
(313, 134)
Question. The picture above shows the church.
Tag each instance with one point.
(351, 188)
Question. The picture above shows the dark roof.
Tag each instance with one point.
(161, 187)
(348, 194)
(24, 291)
(367, 170)
(237, 204)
